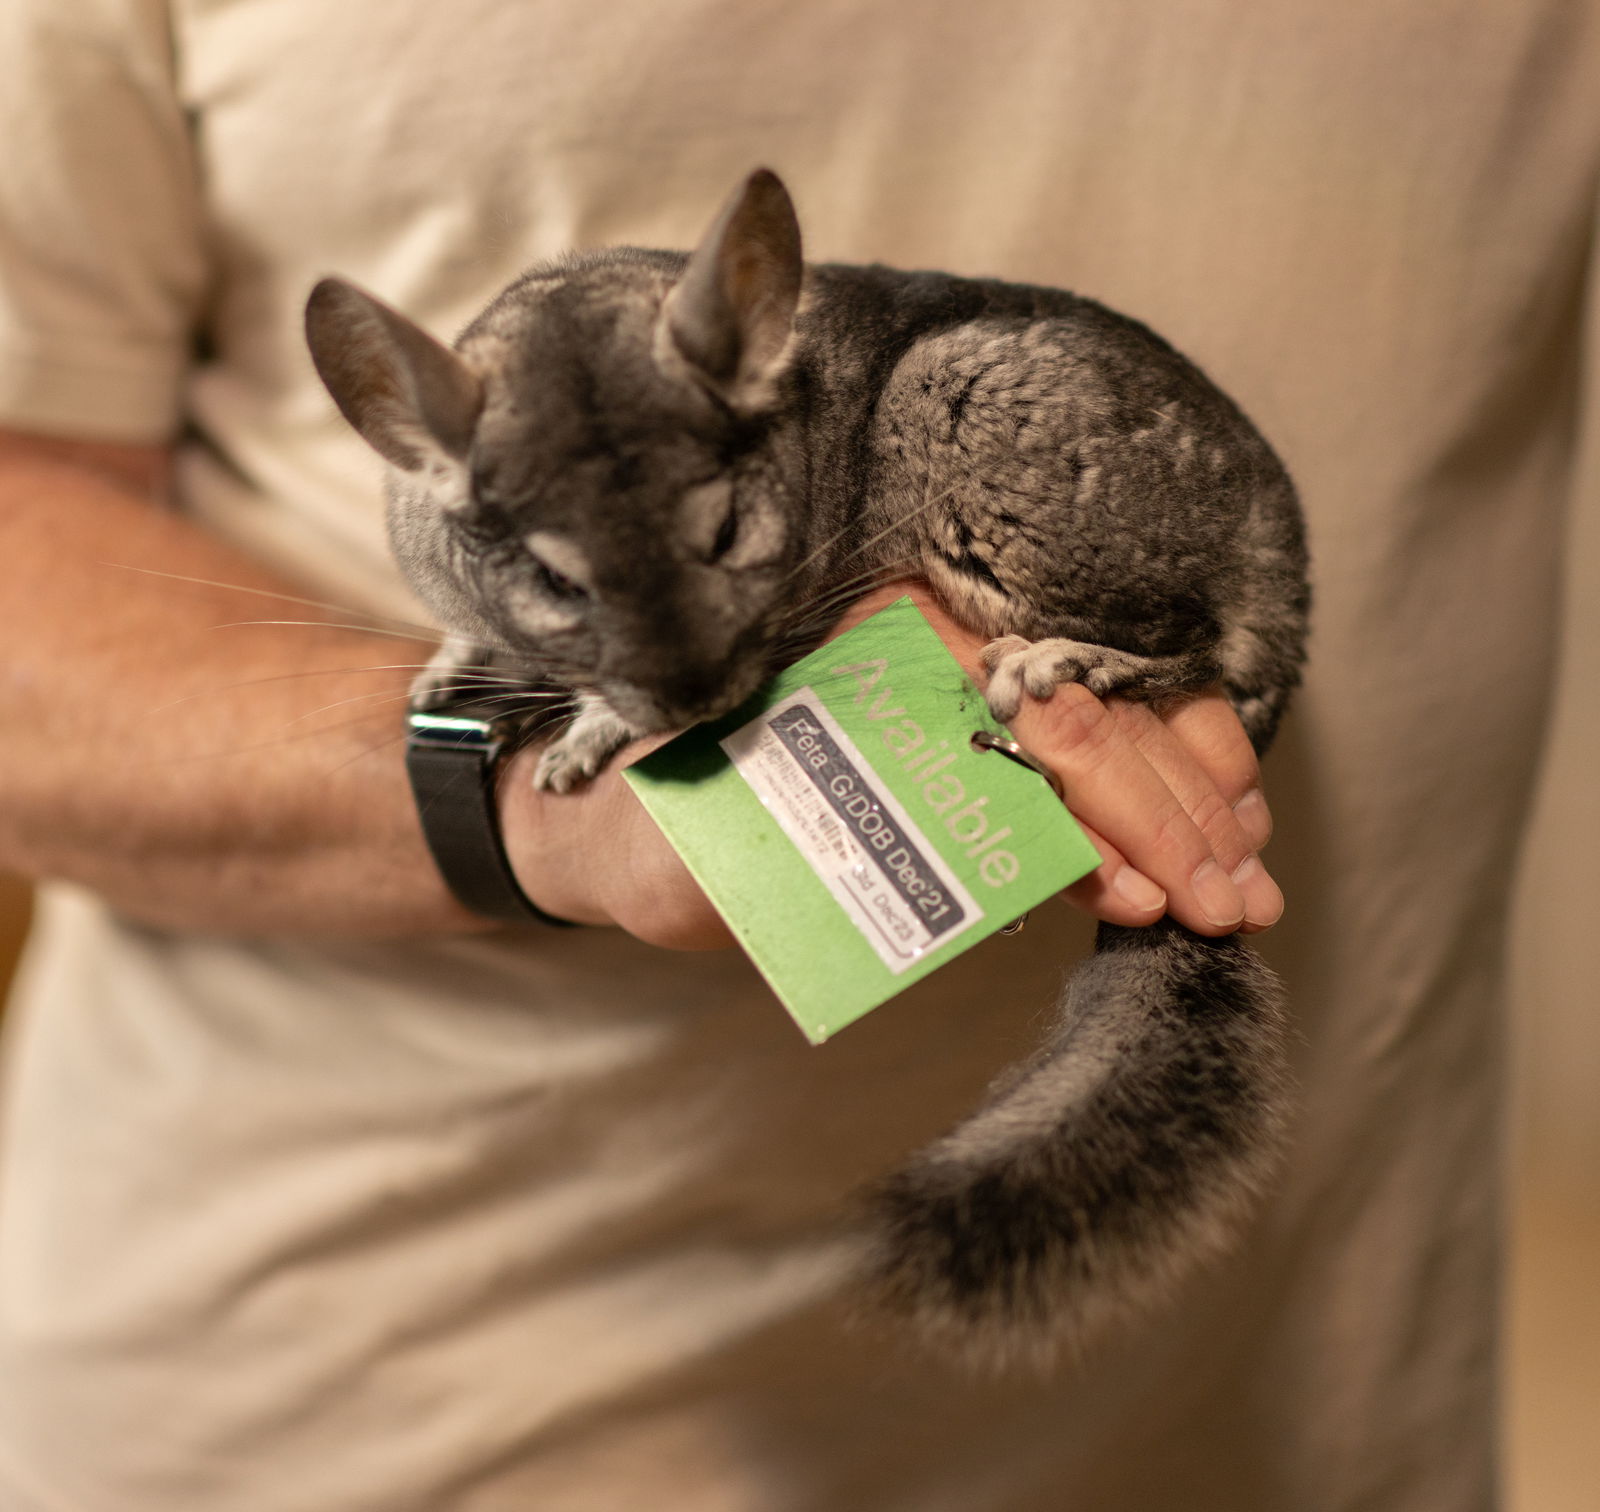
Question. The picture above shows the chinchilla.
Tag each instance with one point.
(648, 477)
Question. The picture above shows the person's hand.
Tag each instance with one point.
(595, 856)
(1173, 803)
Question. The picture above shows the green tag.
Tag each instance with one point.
(845, 827)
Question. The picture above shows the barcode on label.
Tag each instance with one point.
(854, 834)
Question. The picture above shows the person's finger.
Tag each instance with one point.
(1112, 787)
(1199, 761)
(1115, 891)
(1211, 732)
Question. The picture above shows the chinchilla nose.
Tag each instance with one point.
(695, 691)
(691, 669)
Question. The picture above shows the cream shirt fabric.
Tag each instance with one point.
(545, 1222)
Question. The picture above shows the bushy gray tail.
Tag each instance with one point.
(1128, 1149)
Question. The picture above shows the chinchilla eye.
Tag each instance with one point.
(710, 519)
(558, 584)
(727, 534)
(561, 571)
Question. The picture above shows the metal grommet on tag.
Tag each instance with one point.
(984, 740)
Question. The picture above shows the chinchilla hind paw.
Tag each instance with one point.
(1017, 666)
(1129, 1150)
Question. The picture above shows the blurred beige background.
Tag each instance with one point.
(1554, 1359)
(1554, 1397)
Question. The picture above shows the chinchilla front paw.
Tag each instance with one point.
(582, 748)
(451, 668)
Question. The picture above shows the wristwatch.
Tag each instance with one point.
(453, 756)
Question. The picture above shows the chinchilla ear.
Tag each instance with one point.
(413, 399)
(729, 318)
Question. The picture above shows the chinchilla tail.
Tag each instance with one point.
(1128, 1149)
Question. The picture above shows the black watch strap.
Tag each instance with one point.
(452, 758)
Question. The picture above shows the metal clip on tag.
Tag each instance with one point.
(985, 740)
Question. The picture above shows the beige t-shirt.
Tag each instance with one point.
(547, 1222)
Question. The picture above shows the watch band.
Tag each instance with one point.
(453, 754)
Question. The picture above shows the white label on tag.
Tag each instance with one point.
(855, 835)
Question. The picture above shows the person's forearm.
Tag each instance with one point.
(195, 771)
(211, 775)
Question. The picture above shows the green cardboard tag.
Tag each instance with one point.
(846, 829)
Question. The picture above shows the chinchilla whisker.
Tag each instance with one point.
(262, 745)
(899, 524)
(373, 750)
(321, 625)
(365, 718)
(426, 632)
(831, 541)
(856, 581)
(819, 614)
(385, 695)
(842, 595)
(256, 682)
(825, 545)
(845, 591)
